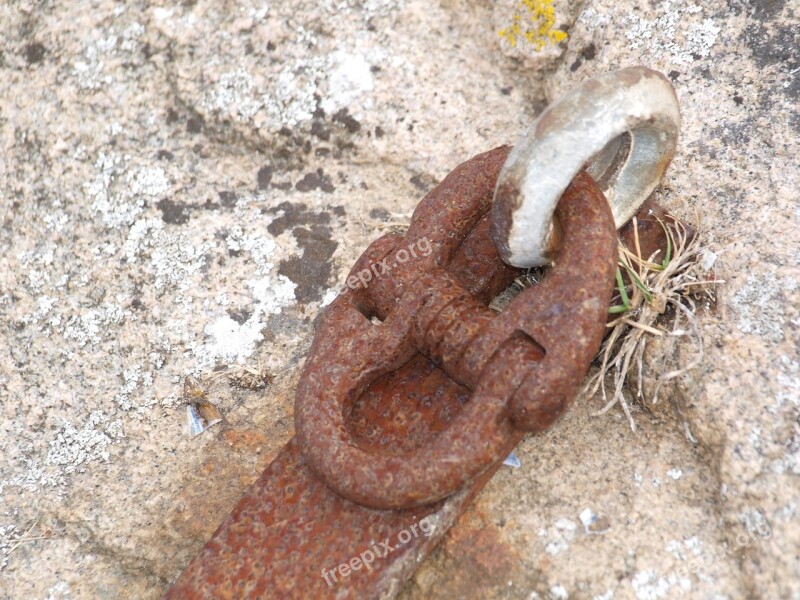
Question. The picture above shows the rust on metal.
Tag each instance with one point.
(412, 395)
(554, 328)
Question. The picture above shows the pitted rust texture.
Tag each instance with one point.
(454, 219)
(425, 309)
(566, 312)
(290, 526)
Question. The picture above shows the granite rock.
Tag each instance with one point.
(184, 186)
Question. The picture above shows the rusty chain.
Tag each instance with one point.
(413, 390)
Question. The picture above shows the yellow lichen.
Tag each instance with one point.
(537, 26)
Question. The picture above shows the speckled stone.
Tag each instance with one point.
(183, 187)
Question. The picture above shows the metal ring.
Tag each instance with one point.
(349, 354)
(622, 127)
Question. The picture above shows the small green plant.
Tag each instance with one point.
(678, 281)
(536, 23)
(645, 267)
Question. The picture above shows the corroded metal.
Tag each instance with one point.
(555, 327)
(622, 124)
(411, 369)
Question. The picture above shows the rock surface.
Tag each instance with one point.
(183, 187)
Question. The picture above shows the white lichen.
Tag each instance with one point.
(114, 210)
(788, 379)
(9, 536)
(44, 305)
(649, 586)
(56, 220)
(364, 8)
(328, 297)
(558, 592)
(686, 549)
(73, 448)
(234, 93)
(131, 37)
(676, 32)
(557, 538)
(760, 305)
(60, 591)
(271, 295)
(151, 182)
(173, 258)
(136, 380)
(260, 248)
(89, 70)
(292, 98)
(229, 340)
(350, 78)
(93, 325)
(675, 473)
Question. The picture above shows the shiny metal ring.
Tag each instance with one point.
(622, 127)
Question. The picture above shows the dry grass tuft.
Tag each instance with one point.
(654, 298)
(659, 298)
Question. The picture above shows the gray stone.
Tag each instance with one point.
(183, 188)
